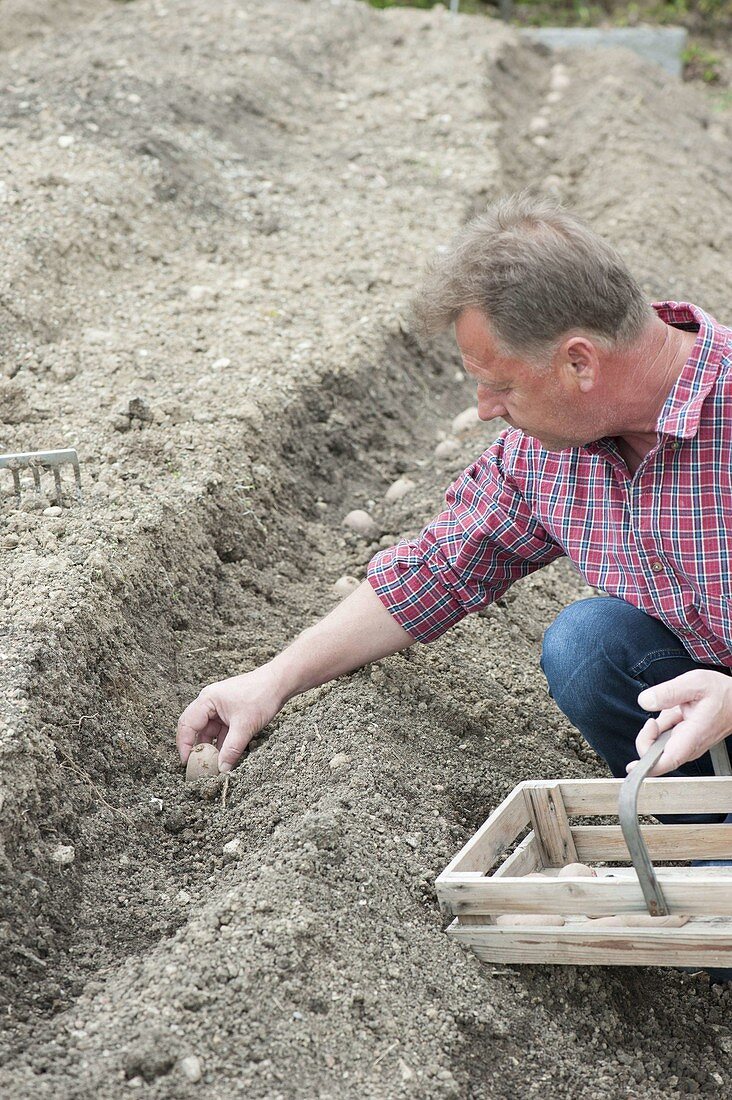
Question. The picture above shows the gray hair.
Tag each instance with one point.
(536, 272)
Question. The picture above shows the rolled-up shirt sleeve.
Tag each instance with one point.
(467, 556)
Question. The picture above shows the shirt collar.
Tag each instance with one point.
(681, 412)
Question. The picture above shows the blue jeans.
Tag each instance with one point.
(597, 656)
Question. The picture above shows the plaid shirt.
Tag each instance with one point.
(660, 539)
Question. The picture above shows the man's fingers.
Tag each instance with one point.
(198, 722)
(647, 735)
(653, 729)
(234, 744)
(683, 746)
(672, 693)
(672, 757)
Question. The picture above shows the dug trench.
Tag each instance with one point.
(310, 959)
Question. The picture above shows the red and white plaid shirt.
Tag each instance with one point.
(660, 539)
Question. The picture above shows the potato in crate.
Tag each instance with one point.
(554, 899)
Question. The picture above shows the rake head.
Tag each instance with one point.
(38, 462)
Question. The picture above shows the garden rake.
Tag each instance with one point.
(39, 461)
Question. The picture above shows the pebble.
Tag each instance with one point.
(231, 848)
(53, 512)
(197, 293)
(140, 409)
(345, 585)
(466, 420)
(447, 448)
(63, 854)
(65, 141)
(219, 364)
(405, 1071)
(191, 1067)
(10, 542)
(539, 125)
(559, 79)
(340, 760)
(362, 523)
(399, 489)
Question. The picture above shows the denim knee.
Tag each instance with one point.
(601, 646)
(576, 640)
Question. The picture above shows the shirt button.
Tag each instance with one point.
(675, 444)
(657, 566)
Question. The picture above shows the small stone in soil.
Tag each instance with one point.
(466, 420)
(63, 854)
(191, 1068)
(231, 848)
(340, 760)
(345, 585)
(447, 448)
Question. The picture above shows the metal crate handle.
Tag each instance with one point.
(628, 813)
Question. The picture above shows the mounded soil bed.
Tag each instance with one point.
(212, 220)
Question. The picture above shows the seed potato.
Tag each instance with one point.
(577, 870)
(641, 920)
(202, 763)
(530, 920)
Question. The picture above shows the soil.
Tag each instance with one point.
(212, 220)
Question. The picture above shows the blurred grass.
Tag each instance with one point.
(699, 16)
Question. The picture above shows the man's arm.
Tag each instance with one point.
(231, 712)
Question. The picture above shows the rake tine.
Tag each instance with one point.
(77, 477)
(38, 462)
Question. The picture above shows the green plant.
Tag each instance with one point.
(701, 64)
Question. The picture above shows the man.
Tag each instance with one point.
(618, 455)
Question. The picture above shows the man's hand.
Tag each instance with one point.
(229, 714)
(696, 706)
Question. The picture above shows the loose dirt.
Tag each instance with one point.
(212, 220)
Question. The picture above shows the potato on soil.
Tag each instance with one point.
(202, 763)
(362, 523)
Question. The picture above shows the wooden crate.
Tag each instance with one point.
(473, 896)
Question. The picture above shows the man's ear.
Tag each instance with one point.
(582, 362)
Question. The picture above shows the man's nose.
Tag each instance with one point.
(489, 407)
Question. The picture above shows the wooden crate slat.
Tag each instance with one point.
(496, 834)
(523, 861)
(551, 826)
(696, 874)
(599, 842)
(595, 797)
(705, 944)
(595, 897)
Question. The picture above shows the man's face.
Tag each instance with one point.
(542, 402)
